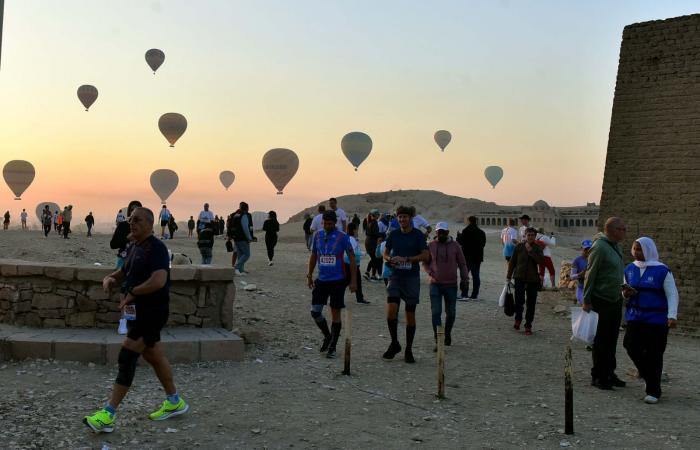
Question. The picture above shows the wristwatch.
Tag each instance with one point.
(131, 291)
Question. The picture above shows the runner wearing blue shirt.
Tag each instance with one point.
(405, 248)
(328, 248)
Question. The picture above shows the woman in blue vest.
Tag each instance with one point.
(652, 306)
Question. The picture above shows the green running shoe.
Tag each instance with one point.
(100, 422)
(168, 410)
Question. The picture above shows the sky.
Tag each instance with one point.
(526, 85)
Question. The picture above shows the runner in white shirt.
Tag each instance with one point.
(23, 218)
(205, 217)
(342, 223)
(509, 239)
(317, 221)
(525, 224)
(419, 223)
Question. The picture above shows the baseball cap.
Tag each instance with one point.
(442, 226)
(587, 243)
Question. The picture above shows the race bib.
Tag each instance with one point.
(326, 260)
(404, 266)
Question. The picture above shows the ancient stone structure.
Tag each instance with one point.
(46, 295)
(573, 219)
(652, 170)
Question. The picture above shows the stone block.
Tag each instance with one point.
(8, 269)
(194, 320)
(176, 319)
(31, 319)
(26, 269)
(85, 304)
(188, 289)
(222, 350)
(66, 273)
(26, 294)
(42, 285)
(92, 273)
(66, 293)
(207, 311)
(202, 296)
(209, 273)
(22, 306)
(23, 349)
(49, 301)
(180, 304)
(108, 317)
(86, 351)
(9, 294)
(81, 319)
(54, 323)
(183, 273)
(95, 292)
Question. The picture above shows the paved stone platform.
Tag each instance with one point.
(101, 346)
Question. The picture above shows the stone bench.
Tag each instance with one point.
(101, 346)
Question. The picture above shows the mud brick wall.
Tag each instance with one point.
(652, 170)
(64, 296)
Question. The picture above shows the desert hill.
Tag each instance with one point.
(433, 205)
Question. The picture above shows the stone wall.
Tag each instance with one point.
(59, 295)
(652, 170)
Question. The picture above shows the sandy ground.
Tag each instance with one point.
(504, 390)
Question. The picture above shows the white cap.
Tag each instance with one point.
(442, 226)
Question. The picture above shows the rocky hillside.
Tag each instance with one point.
(432, 205)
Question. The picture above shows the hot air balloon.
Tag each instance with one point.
(154, 59)
(442, 138)
(172, 125)
(227, 177)
(53, 207)
(356, 147)
(280, 165)
(87, 94)
(18, 175)
(493, 174)
(164, 182)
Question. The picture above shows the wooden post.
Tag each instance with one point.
(568, 393)
(441, 362)
(348, 341)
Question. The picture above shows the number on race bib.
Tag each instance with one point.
(404, 266)
(327, 260)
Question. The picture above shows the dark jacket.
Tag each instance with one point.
(119, 238)
(523, 264)
(238, 234)
(271, 227)
(307, 226)
(206, 238)
(472, 239)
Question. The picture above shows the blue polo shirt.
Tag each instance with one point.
(329, 249)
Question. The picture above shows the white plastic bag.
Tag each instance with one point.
(502, 298)
(583, 325)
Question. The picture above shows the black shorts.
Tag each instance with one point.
(163, 223)
(147, 325)
(403, 288)
(323, 290)
(508, 258)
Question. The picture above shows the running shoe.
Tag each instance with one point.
(168, 410)
(100, 422)
(393, 349)
(528, 331)
(326, 343)
(516, 324)
(363, 302)
(651, 400)
(331, 354)
(408, 357)
(366, 276)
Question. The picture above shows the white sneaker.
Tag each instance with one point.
(270, 263)
(651, 400)
(238, 273)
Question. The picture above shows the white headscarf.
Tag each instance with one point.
(651, 255)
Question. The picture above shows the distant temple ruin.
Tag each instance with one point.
(572, 219)
(652, 170)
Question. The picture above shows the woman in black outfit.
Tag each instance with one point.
(271, 227)
(120, 240)
(371, 237)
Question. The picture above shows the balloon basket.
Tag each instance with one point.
(279, 192)
(17, 198)
(172, 145)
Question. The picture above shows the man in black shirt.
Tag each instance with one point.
(145, 278)
(472, 239)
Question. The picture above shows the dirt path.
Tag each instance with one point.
(504, 390)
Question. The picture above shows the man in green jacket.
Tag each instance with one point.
(602, 292)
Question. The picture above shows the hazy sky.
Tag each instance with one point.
(527, 85)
